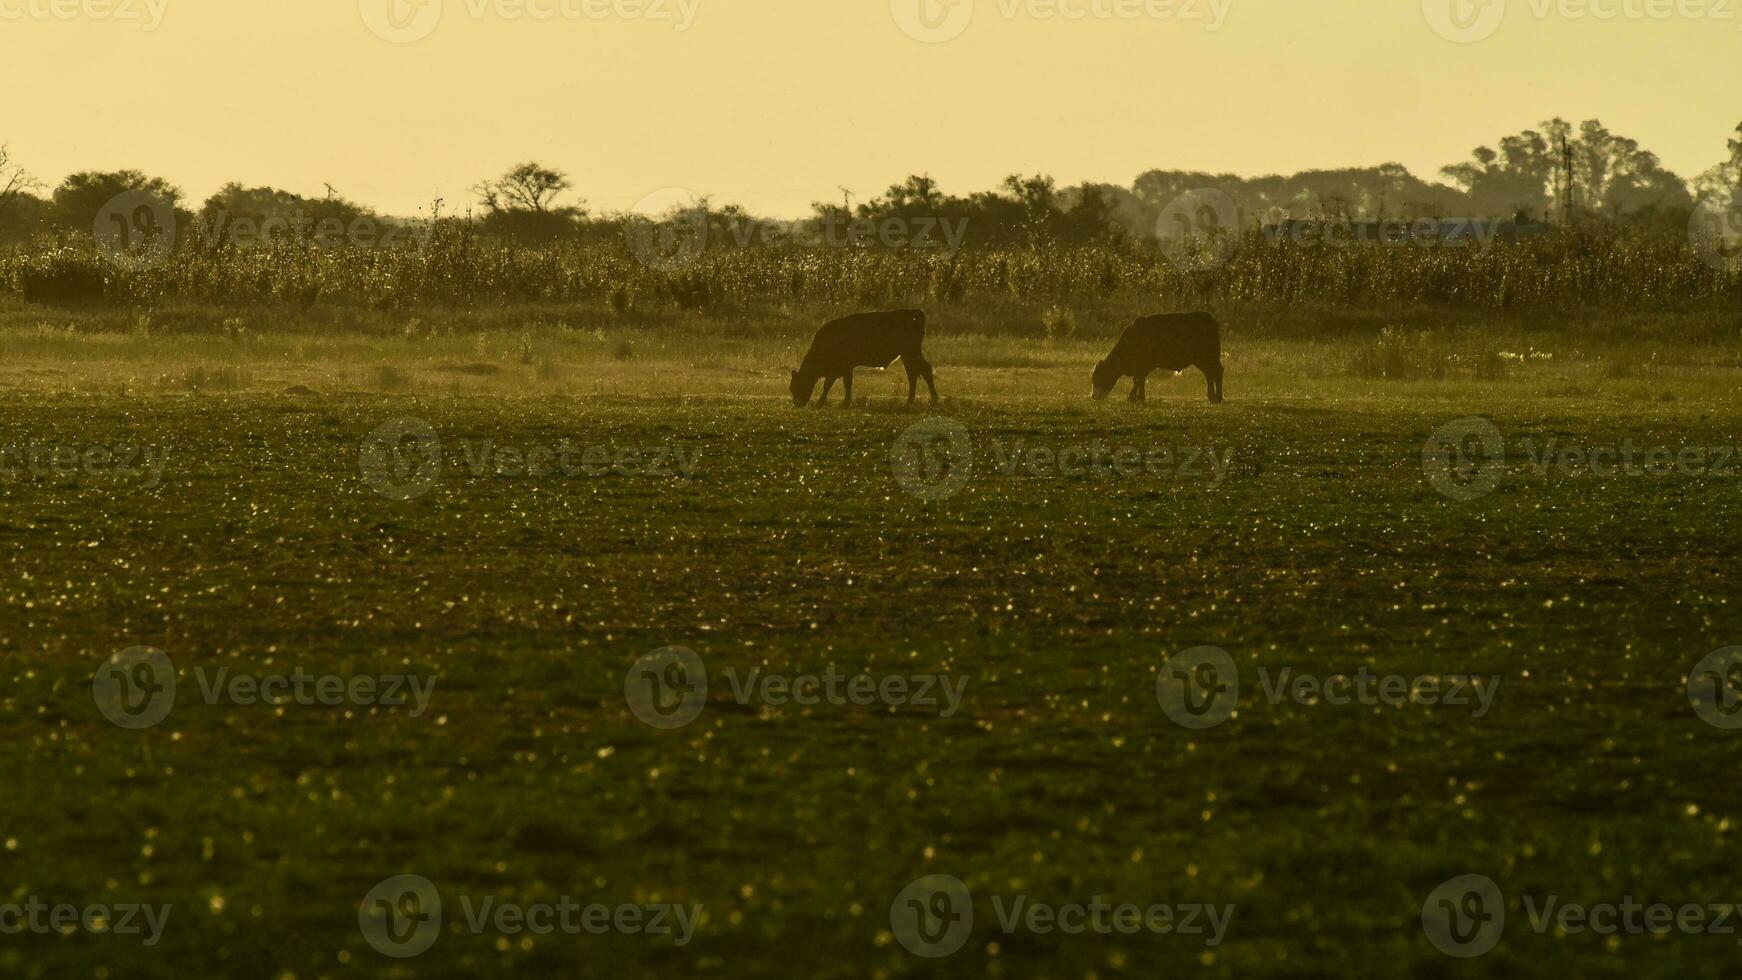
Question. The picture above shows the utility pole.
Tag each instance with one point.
(1570, 195)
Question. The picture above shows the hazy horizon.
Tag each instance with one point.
(628, 105)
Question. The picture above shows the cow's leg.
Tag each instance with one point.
(828, 386)
(848, 381)
(912, 379)
(925, 372)
(1213, 374)
(1139, 389)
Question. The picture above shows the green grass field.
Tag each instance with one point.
(1053, 601)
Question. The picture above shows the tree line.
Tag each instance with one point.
(1557, 172)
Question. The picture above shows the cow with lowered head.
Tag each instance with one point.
(1169, 342)
(864, 340)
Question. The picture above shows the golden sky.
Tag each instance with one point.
(777, 103)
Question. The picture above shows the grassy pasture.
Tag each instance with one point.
(792, 548)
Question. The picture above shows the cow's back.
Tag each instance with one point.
(1172, 341)
(868, 339)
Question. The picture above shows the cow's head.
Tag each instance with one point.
(802, 386)
(1105, 378)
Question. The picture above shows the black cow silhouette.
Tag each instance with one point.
(864, 340)
(1169, 342)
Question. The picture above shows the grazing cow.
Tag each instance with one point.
(864, 340)
(1169, 342)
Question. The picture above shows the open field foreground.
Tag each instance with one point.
(1014, 601)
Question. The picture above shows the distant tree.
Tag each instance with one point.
(1093, 214)
(527, 187)
(522, 204)
(301, 218)
(1722, 184)
(15, 184)
(1736, 155)
(1516, 177)
(916, 195)
(81, 198)
(1612, 176)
